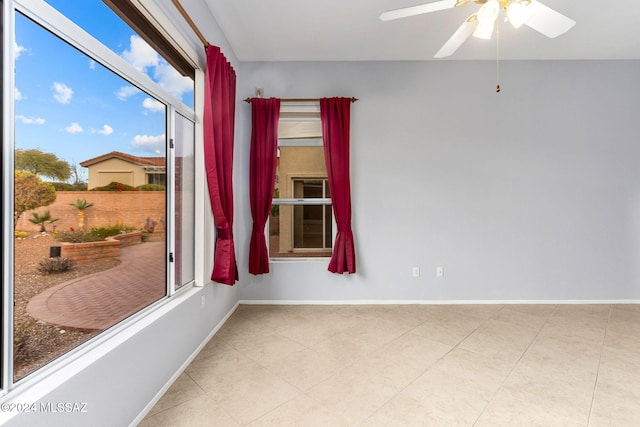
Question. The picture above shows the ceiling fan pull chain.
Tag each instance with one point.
(498, 56)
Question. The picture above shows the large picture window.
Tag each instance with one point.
(103, 182)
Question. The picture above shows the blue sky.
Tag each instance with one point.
(69, 105)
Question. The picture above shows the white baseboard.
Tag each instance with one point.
(433, 302)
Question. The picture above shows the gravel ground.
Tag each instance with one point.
(35, 342)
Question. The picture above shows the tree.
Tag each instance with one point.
(42, 220)
(42, 164)
(30, 193)
(82, 205)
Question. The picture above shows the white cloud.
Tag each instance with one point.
(126, 91)
(92, 64)
(17, 95)
(140, 54)
(17, 50)
(150, 143)
(73, 128)
(62, 93)
(171, 80)
(153, 105)
(31, 120)
(106, 130)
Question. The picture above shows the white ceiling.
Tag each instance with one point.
(339, 30)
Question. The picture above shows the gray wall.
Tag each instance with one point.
(529, 194)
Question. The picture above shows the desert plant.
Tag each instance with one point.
(42, 220)
(115, 186)
(149, 225)
(55, 265)
(151, 187)
(82, 205)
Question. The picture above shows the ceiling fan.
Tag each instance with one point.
(531, 13)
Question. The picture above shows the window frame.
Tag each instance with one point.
(59, 26)
(325, 201)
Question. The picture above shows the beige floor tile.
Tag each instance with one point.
(578, 311)
(626, 312)
(258, 393)
(268, 348)
(354, 395)
(501, 340)
(459, 386)
(405, 411)
(306, 368)
(525, 315)
(414, 350)
(449, 328)
(572, 326)
(614, 407)
(313, 330)
(507, 411)
(623, 335)
(182, 390)
(620, 369)
(300, 412)
(198, 412)
(568, 394)
(481, 311)
(413, 365)
(213, 348)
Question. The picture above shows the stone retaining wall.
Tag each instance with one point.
(89, 251)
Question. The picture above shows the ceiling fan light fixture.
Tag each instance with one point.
(486, 19)
(484, 31)
(518, 13)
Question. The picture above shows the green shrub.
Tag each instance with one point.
(115, 186)
(55, 265)
(93, 234)
(111, 230)
(151, 187)
(64, 186)
(77, 236)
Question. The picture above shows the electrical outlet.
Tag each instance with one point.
(416, 271)
(440, 272)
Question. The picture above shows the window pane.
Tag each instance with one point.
(300, 231)
(185, 200)
(69, 117)
(299, 164)
(101, 22)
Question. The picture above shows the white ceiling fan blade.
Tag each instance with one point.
(547, 21)
(418, 10)
(460, 36)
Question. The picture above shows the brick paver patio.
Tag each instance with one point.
(101, 300)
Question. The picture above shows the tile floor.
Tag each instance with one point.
(414, 365)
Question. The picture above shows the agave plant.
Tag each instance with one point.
(42, 220)
(82, 205)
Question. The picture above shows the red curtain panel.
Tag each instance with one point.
(218, 122)
(265, 114)
(335, 118)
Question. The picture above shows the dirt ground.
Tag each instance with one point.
(35, 342)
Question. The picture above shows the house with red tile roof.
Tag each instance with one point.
(126, 169)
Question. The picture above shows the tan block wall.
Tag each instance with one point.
(130, 208)
(81, 252)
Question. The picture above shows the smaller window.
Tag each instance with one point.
(301, 222)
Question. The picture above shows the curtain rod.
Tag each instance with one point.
(248, 100)
(193, 26)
